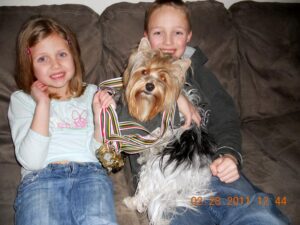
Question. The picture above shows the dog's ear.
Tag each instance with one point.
(144, 45)
(182, 65)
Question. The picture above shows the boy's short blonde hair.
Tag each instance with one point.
(32, 32)
(178, 4)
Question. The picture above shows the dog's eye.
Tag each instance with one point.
(163, 77)
(144, 72)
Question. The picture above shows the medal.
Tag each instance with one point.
(109, 154)
(109, 158)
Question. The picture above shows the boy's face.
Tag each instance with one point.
(168, 30)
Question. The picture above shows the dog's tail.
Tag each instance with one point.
(193, 144)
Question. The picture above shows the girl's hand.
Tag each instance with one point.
(189, 112)
(225, 168)
(102, 99)
(40, 120)
(106, 99)
(39, 92)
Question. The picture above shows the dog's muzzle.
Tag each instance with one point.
(150, 87)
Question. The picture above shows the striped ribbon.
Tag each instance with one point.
(132, 143)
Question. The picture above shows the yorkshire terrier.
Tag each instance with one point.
(171, 175)
(152, 81)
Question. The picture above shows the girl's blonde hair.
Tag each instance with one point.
(32, 32)
(178, 4)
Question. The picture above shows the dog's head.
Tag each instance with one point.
(152, 81)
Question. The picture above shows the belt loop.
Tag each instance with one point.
(72, 167)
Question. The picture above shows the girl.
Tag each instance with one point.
(168, 27)
(55, 133)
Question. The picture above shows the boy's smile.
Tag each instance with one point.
(169, 31)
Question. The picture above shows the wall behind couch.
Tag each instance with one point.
(99, 6)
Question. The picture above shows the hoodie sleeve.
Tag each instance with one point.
(224, 123)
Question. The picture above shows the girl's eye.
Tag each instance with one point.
(63, 54)
(41, 59)
(179, 33)
(157, 33)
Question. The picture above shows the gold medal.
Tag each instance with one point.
(109, 158)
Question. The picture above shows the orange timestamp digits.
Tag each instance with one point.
(236, 200)
(216, 200)
(279, 200)
(212, 200)
(197, 201)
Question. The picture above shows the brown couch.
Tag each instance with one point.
(254, 50)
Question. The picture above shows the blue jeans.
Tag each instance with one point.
(237, 203)
(66, 194)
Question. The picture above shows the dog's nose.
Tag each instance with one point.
(150, 87)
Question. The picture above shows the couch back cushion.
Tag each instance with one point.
(82, 20)
(269, 58)
(122, 27)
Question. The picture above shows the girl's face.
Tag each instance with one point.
(53, 64)
(168, 30)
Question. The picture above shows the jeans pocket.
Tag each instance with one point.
(28, 179)
(97, 167)
(26, 182)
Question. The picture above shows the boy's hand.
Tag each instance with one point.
(225, 168)
(189, 111)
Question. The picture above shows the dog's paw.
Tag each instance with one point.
(141, 160)
(133, 204)
(130, 202)
(141, 208)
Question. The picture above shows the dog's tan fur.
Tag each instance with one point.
(159, 71)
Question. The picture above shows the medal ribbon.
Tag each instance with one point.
(134, 143)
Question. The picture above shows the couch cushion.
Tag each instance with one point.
(269, 58)
(125, 216)
(278, 138)
(122, 27)
(9, 180)
(82, 20)
(272, 158)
